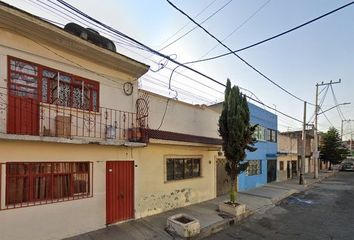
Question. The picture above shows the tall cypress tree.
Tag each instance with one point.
(236, 132)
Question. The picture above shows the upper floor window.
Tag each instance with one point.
(265, 134)
(52, 86)
(271, 135)
(23, 79)
(259, 134)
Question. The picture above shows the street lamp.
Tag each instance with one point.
(340, 104)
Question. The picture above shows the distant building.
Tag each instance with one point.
(309, 168)
(287, 156)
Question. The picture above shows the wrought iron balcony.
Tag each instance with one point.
(26, 116)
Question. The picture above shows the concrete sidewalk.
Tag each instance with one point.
(211, 220)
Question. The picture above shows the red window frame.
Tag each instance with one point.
(13, 87)
(94, 85)
(35, 183)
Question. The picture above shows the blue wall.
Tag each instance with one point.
(268, 120)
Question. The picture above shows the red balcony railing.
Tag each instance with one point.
(27, 117)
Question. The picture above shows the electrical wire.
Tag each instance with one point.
(209, 17)
(235, 54)
(238, 27)
(116, 83)
(275, 36)
(337, 104)
(88, 24)
(255, 100)
(324, 114)
(184, 26)
(188, 77)
(154, 51)
(163, 55)
(321, 101)
(82, 21)
(184, 92)
(203, 99)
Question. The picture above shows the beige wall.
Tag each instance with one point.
(111, 81)
(182, 117)
(308, 147)
(57, 220)
(288, 150)
(152, 193)
(287, 144)
(286, 159)
(155, 194)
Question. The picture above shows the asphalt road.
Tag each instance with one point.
(325, 211)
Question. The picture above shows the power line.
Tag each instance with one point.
(184, 92)
(138, 42)
(146, 47)
(321, 101)
(57, 11)
(337, 105)
(235, 54)
(275, 36)
(184, 26)
(255, 100)
(324, 114)
(188, 77)
(165, 56)
(210, 16)
(235, 30)
(69, 60)
(202, 99)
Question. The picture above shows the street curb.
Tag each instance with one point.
(226, 223)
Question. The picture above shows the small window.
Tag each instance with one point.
(274, 136)
(260, 133)
(254, 167)
(268, 135)
(281, 165)
(45, 182)
(182, 168)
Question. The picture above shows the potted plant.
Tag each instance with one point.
(237, 137)
(134, 134)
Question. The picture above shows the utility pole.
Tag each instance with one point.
(315, 141)
(315, 167)
(341, 130)
(302, 165)
(350, 134)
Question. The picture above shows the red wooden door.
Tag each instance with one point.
(23, 98)
(23, 116)
(119, 191)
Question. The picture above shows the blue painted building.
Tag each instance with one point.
(262, 162)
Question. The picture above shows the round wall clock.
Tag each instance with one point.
(128, 88)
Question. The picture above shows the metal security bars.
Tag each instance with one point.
(46, 102)
(28, 117)
(24, 184)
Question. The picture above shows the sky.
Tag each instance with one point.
(319, 52)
